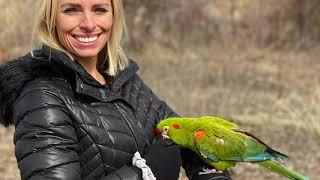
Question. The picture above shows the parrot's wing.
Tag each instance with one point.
(219, 144)
(227, 147)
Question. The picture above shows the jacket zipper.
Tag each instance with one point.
(124, 115)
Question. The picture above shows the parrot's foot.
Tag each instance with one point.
(206, 170)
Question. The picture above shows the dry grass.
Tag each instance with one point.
(270, 92)
(8, 165)
(246, 89)
(16, 26)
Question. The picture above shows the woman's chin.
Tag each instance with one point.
(87, 54)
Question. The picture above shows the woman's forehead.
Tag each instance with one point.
(84, 2)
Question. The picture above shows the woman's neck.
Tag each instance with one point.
(90, 65)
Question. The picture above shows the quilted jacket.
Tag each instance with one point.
(68, 126)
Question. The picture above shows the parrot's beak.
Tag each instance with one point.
(165, 136)
(163, 133)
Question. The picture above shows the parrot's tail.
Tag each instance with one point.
(282, 170)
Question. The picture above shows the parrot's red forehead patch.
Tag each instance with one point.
(157, 132)
(176, 126)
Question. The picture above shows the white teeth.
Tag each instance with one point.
(87, 40)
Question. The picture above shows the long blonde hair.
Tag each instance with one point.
(45, 33)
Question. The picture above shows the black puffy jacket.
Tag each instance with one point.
(68, 126)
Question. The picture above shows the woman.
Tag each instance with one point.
(78, 106)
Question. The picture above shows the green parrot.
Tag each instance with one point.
(222, 144)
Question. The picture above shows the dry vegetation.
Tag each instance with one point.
(253, 62)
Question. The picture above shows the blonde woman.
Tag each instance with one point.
(78, 106)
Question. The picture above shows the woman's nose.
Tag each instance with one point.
(87, 23)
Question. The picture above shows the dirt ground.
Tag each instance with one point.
(275, 100)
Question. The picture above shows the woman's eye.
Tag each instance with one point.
(70, 10)
(101, 10)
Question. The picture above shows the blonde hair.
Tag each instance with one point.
(45, 33)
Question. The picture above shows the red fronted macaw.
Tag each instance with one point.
(222, 144)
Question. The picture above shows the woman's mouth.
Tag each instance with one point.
(86, 39)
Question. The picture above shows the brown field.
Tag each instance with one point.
(247, 89)
(270, 89)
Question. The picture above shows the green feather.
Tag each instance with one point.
(282, 170)
(222, 144)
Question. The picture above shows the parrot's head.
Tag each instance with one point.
(172, 128)
(164, 131)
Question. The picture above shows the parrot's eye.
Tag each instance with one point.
(166, 129)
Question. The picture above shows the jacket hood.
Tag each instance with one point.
(13, 76)
(45, 62)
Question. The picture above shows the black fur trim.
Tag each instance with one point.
(14, 76)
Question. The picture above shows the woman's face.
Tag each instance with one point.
(84, 26)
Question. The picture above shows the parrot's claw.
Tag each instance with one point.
(206, 170)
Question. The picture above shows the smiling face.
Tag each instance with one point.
(84, 26)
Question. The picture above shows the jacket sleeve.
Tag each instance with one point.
(125, 173)
(161, 107)
(45, 140)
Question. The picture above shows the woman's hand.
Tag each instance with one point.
(164, 159)
(196, 169)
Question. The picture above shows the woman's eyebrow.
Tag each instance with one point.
(71, 5)
(79, 6)
(102, 5)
